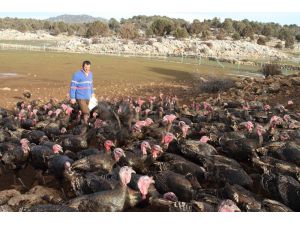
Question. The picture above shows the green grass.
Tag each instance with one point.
(60, 66)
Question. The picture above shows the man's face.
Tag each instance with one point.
(87, 68)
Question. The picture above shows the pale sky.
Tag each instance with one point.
(283, 12)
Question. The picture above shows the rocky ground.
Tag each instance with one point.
(229, 49)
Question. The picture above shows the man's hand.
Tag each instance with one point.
(73, 101)
(94, 95)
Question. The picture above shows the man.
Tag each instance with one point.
(81, 89)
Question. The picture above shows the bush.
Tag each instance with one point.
(216, 85)
(221, 35)
(261, 41)
(149, 32)
(236, 36)
(289, 42)
(271, 69)
(161, 27)
(297, 37)
(128, 31)
(205, 35)
(97, 28)
(114, 24)
(180, 33)
(247, 31)
(279, 45)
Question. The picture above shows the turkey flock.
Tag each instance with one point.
(226, 155)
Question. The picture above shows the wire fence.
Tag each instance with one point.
(231, 67)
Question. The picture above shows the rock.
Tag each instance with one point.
(36, 195)
(46, 193)
(6, 208)
(8, 194)
(239, 85)
(25, 200)
(274, 88)
(6, 89)
(285, 82)
(295, 80)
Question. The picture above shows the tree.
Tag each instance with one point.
(228, 25)
(128, 31)
(297, 37)
(239, 26)
(268, 30)
(180, 33)
(149, 32)
(161, 27)
(247, 31)
(97, 28)
(54, 30)
(22, 27)
(236, 36)
(195, 27)
(62, 27)
(71, 29)
(284, 33)
(114, 24)
(81, 31)
(289, 41)
(46, 25)
(216, 22)
(261, 41)
(205, 35)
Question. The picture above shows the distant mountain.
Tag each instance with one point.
(75, 19)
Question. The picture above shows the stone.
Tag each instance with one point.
(274, 88)
(295, 80)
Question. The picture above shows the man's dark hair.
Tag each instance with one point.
(86, 63)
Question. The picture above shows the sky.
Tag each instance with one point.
(278, 11)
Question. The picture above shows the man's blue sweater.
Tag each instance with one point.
(81, 85)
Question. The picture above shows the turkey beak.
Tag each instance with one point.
(236, 209)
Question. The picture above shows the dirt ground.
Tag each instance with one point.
(48, 75)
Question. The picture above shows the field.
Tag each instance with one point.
(49, 74)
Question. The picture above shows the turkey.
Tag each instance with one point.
(39, 156)
(58, 165)
(138, 159)
(105, 201)
(192, 150)
(180, 165)
(221, 169)
(274, 206)
(17, 159)
(99, 162)
(282, 188)
(35, 136)
(242, 197)
(108, 144)
(289, 152)
(168, 181)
